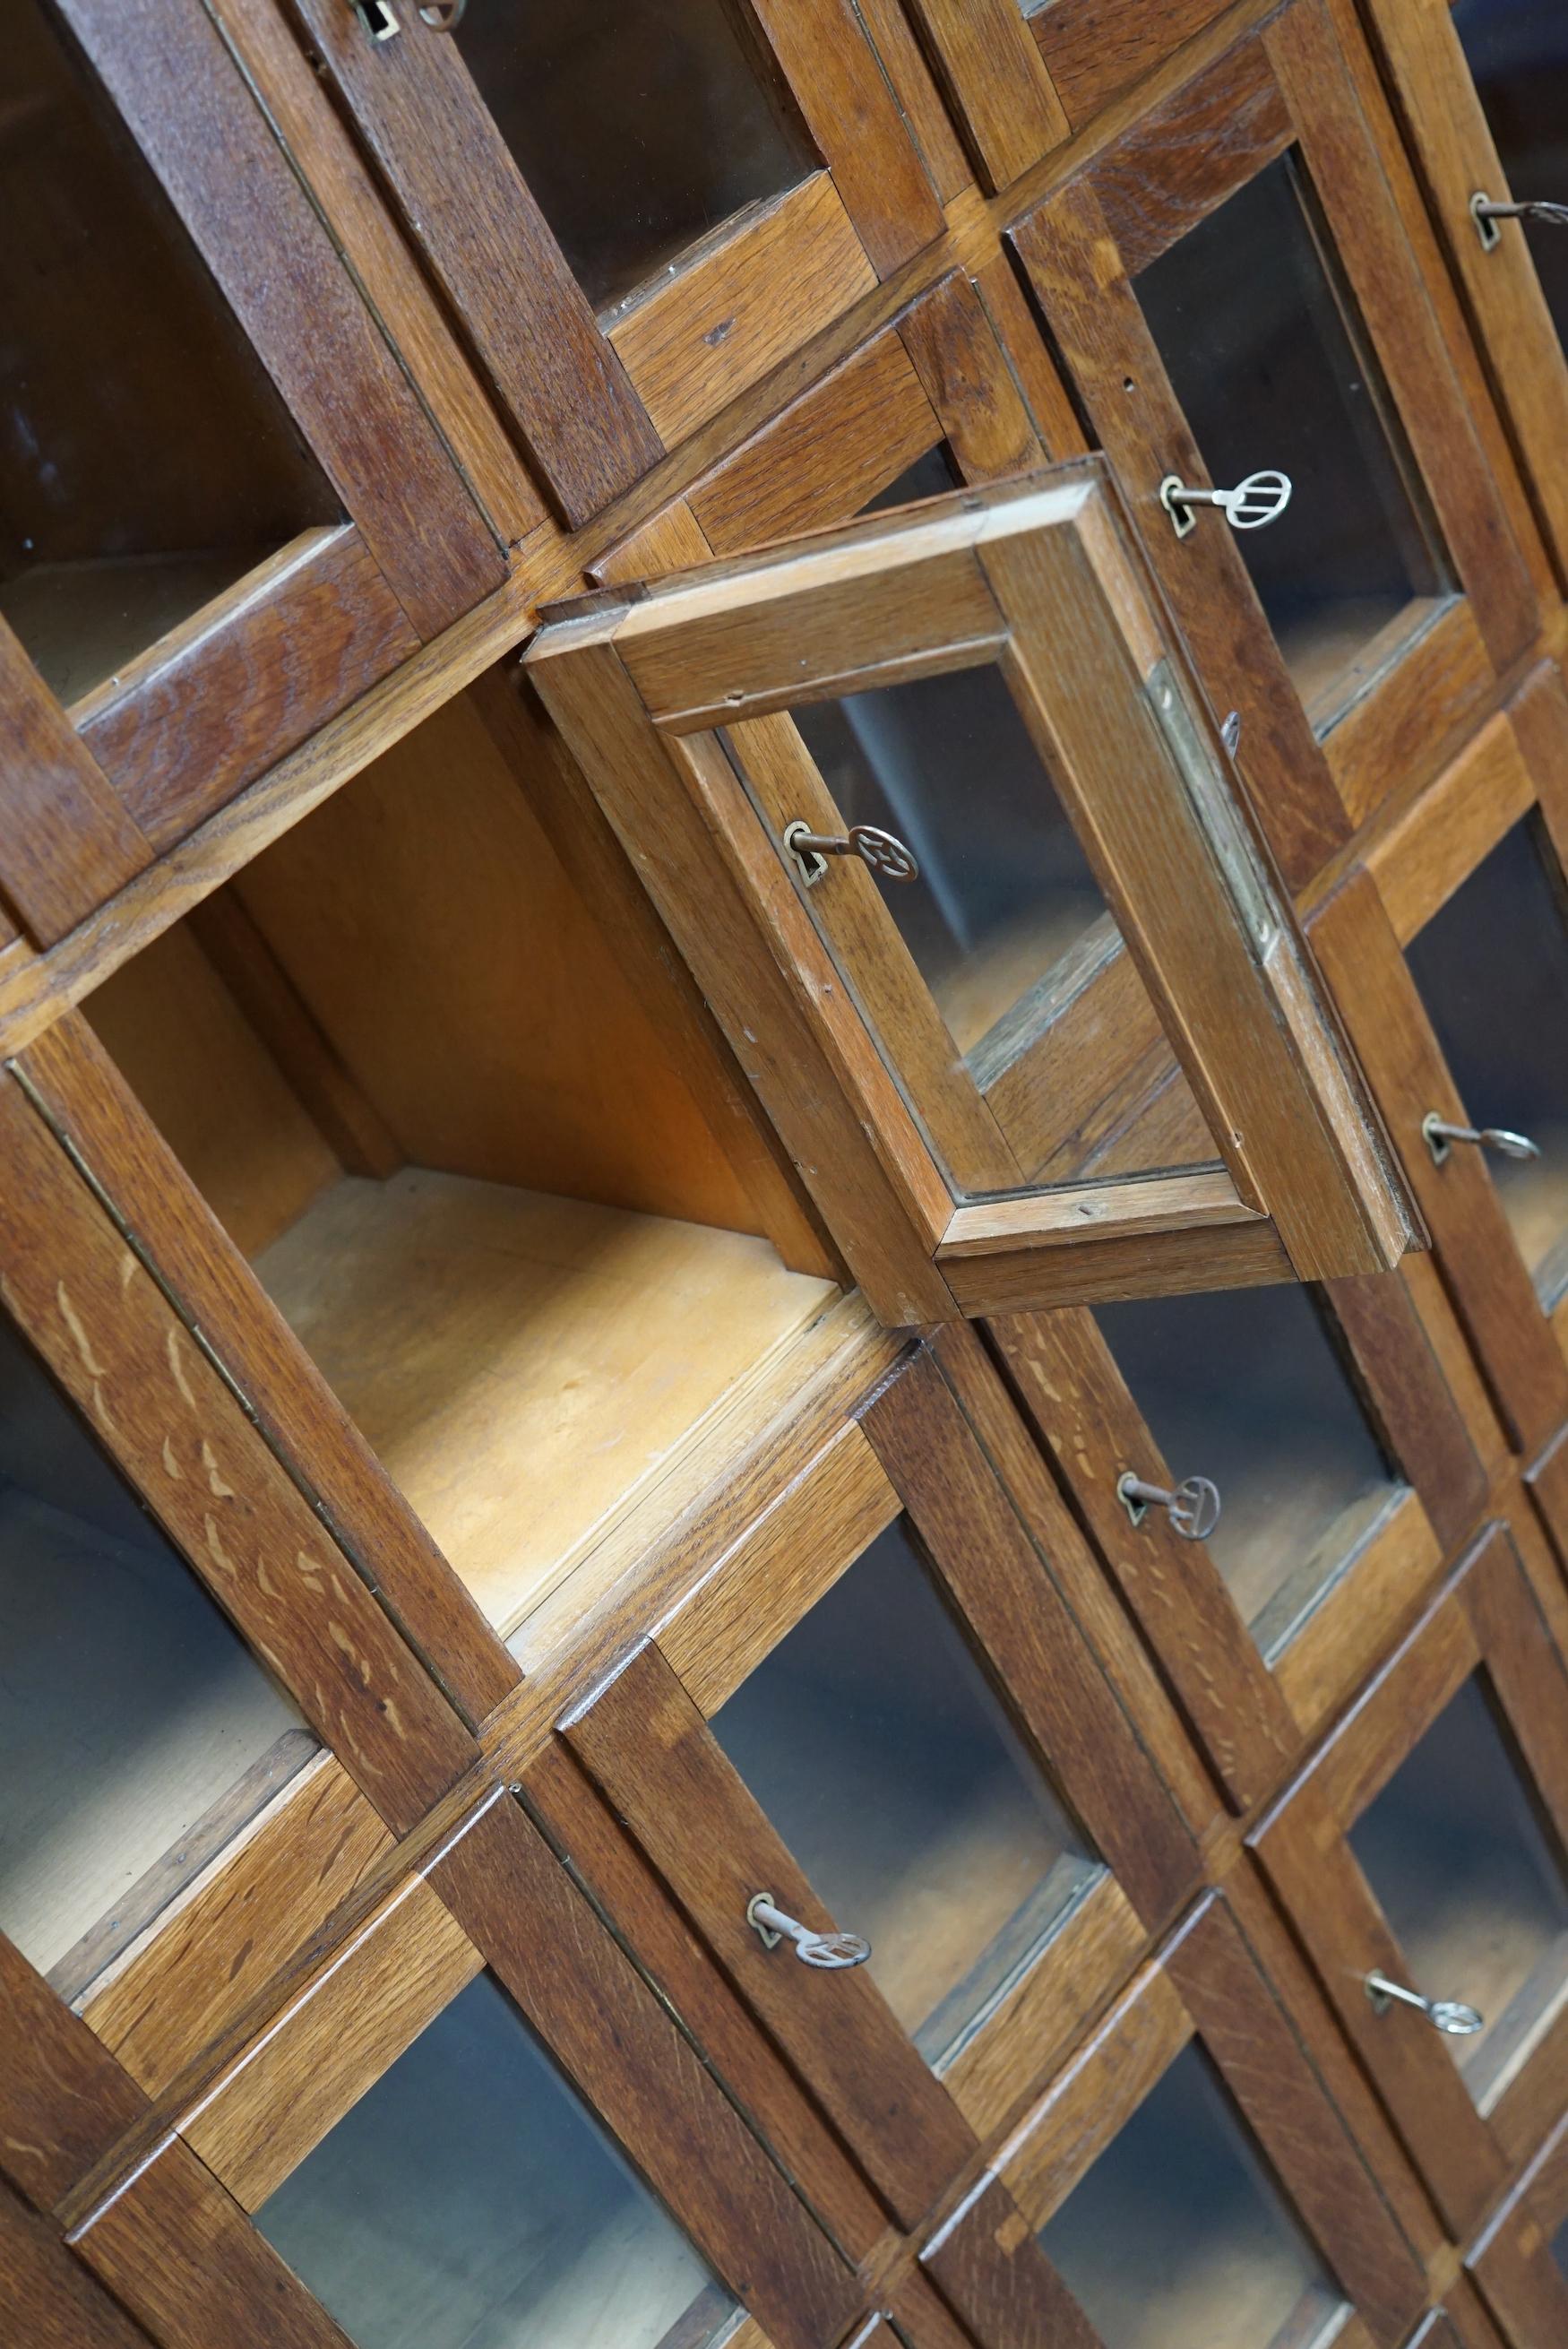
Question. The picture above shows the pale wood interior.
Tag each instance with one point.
(138, 1735)
(401, 1062)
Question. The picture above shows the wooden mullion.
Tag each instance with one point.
(50, 2299)
(64, 2103)
(69, 840)
(998, 85)
(966, 379)
(1415, 1412)
(1094, 49)
(992, 2272)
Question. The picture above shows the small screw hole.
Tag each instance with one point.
(1128, 384)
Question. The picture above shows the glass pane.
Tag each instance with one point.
(931, 476)
(1272, 371)
(1177, 2237)
(146, 461)
(137, 1734)
(1472, 1890)
(638, 128)
(471, 2201)
(1518, 52)
(1560, 2247)
(1244, 1387)
(876, 1745)
(1493, 969)
(1005, 892)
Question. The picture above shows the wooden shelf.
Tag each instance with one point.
(137, 1736)
(525, 1366)
(82, 623)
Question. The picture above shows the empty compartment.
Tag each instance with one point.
(470, 2201)
(1492, 969)
(1178, 2234)
(399, 1058)
(138, 1735)
(146, 461)
(1472, 1886)
(877, 1746)
(1245, 1387)
(639, 128)
(1518, 52)
(1260, 338)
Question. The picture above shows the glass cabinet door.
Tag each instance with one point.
(1253, 328)
(1274, 1476)
(1422, 1858)
(1482, 86)
(876, 752)
(138, 1734)
(864, 1798)
(1175, 2203)
(636, 212)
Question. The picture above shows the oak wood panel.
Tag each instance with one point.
(471, 210)
(69, 843)
(627, 2056)
(83, 1094)
(647, 1747)
(1000, 90)
(823, 457)
(185, 2259)
(114, 1343)
(694, 345)
(967, 381)
(257, 1910)
(64, 2103)
(164, 65)
(1001, 1584)
(215, 705)
(1094, 49)
(48, 2295)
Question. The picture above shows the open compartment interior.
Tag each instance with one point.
(147, 463)
(138, 1734)
(463, 1151)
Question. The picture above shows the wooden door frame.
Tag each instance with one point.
(1512, 2261)
(1488, 1618)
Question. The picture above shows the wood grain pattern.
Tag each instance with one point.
(1436, 683)
(627, 2057)
(185, 2259)
(967, 381)
(82, 1091)
(1003, 96)
(175, 85)
(1177, 164)
(1435, 843)
(48, 2297)
(1094, 49)
(691, 347)
(470, 209)
(988, 2267)
(69, 843)
(115, 1345)
(214, 1955)
(213, 706)
(64, 2103)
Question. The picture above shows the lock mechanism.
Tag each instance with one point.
(1193, 1509)
(1252, 505)
(1486, 214)
(1448, 2015)
(885, 854)
(1440, 1137)
(378, 19)
(832, 1951)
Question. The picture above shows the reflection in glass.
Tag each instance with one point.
(1560, 2247)
(1244, 1387)
(877, 1747)
(469, 2200)
(1273, 372)
(1005, 891)
(137, 1734)
(1518, 52)
(1177, 2237)
(146, 461)
(1472, 1887)
(638, 128)
(1492, 969)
